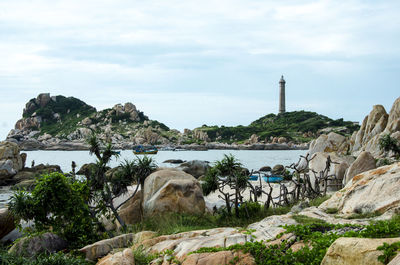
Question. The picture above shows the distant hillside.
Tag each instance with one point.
(58, 122)
(296, 126)
(52, 120)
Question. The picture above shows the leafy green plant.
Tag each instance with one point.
(388, 143)
(57, 203)
(389, 252)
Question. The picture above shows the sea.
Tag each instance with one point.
(250, 159)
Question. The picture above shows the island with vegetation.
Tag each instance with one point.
(64, 123)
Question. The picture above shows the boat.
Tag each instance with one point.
(140, 150)
(253, 177)
(273, 178)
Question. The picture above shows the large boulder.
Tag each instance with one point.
(172, 190)
(355, 251)
(196, 168)
(278, 169)
(372, 191)
(10, 160)
(332, 142)
(376, 124)
(130, 212)
(364, 162)
(7, 223)
(124, 257)
(45, 243)
(103, 247)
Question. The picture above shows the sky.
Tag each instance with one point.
(189, 63)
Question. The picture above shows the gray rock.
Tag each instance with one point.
(196, 168)
(31, 246)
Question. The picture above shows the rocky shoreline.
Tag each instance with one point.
(79, 145)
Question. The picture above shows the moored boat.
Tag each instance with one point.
(140, 150)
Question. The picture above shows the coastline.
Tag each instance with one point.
(79, 145)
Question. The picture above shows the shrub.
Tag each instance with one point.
(57, 203)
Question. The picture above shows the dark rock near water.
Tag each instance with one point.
(86, 169)
(265, 168)
(174, 161)
(278, 169)
(196, 168)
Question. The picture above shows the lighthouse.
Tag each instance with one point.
(282, 83)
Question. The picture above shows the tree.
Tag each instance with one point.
(58, 203)
(104, 188)
(226, 173)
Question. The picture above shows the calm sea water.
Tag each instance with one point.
(251, 159)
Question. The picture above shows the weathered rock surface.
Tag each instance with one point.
(219, 258)
(372, 191)
(196, 168)
(355, 251)
(10, 160)
(124, 257)
(103, 247)
(395, 260)
(374, 126)
(278, 169)
(6, 222)
(332, 142)
(31, 246)
(172, 190)
(364, 162)
(130, 211)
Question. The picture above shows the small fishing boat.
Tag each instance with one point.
(273, 178)
(253, 177)
(140, 150)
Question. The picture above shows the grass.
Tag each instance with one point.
(177, 223)
(319, 200)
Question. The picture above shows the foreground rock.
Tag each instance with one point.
(172, 190)
(364, 162)
(31, 246)
(102, 248)
(372, 191)
(6, 222)
(355, 251)
(124, 257)
(218, 258)
(130, 211)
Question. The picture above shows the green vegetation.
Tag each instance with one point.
(291, 125)
(388, 143)
(317, 237)
(319, 200)
(59, 204)
(42, 259)
(389, 252)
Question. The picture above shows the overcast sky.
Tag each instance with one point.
(188, 63)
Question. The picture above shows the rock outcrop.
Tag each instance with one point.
(376, 124)
(369, 192)
(10, 160)
(355, 251)
(364, 162)
(172, 190)
(124, 257)
(103, 247)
